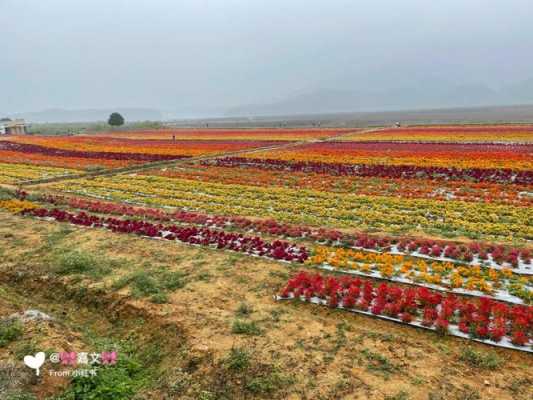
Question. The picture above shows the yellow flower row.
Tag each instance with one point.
(316, 208)
(15, 173)
(17, 206)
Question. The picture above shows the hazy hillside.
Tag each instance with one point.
(426, 95)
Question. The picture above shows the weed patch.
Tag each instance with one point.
(10, 330)
(245, 328)
(477, 359)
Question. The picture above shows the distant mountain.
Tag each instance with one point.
(423, 96)
(424, 93)
(90, 115)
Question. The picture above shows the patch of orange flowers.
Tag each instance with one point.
(115, 145)
(417, 154)
(14, 157)
(456, 134)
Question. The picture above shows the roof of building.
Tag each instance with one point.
(14, 122)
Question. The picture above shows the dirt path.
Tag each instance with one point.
(159, 164)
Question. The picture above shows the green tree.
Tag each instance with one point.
(115, 119)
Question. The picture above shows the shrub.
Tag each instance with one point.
(238, 359)
(79, 262)
(10, 330)
(115, 382)
(245, 328)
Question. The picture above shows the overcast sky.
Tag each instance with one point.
(173, 54)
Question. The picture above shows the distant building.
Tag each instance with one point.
(12, 127)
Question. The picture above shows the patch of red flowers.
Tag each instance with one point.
(493, 175)
(278, 250)
(484, 319)
(433, 248)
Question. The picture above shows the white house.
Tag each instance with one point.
(12, 127)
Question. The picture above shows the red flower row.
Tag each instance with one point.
(493, 175)
(278, 250)
(485, 319)
(101, 155)
(432, 248)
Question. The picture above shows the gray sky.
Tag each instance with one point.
(174, 54)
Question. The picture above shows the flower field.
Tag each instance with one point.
(11, 174)
(225, 171)
(229, 134)
(444, 155)
(485, 320)
(79, 152)
(38, 157)
(451, 134)
(443, 215)
(313, 207)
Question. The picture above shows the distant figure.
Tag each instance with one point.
(397, 125)
(174, 138)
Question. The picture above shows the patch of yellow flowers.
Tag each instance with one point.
(17, 206)
(447, 275)
(14, 173)
(312, 207)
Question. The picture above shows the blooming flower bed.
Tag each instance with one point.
(17, 206)
(484, 320)
(435, 155)
(461, 279)
(450, 134)
(15, 173)
(446, 173)
(79, 152)
(434, 189)
(315, 208)
(495, 256)
(26, 148)
(278, 250)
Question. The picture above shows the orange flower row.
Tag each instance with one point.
(459, 134)
(14, 157)
(427, 155)
(116, 145)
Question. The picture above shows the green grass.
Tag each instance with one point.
(153, 284)
(401, 395)
(6, 194)
(378, 363)
(245, 328)
(488, 360)
(238, 359)
(114, 382)
(10, 330)
(244, 310)
(80, 262)
(264, 385)
(54, 129)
